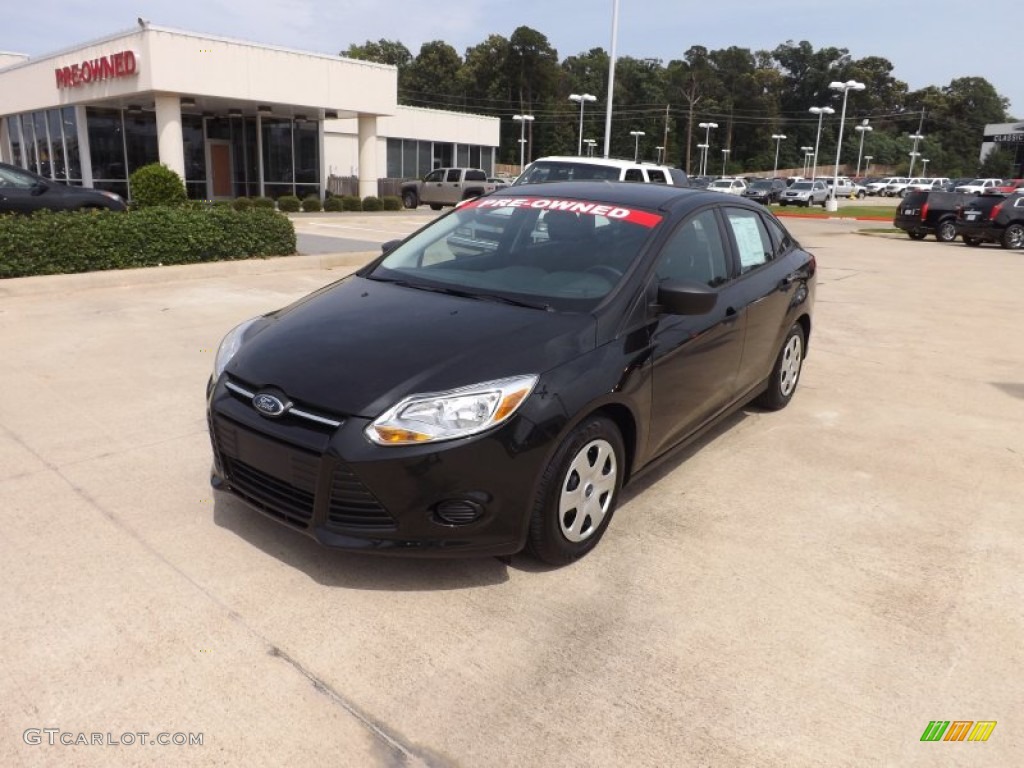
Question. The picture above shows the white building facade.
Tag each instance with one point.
(232, 118)
(1008, 136)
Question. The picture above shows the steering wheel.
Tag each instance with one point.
(603, 270)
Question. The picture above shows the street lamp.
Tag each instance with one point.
(659, 150)
(582, 98)
(924, 167)
(636, 144)
(707, 143)
(862, 129)
(523, 119)
(867, 164)
(914, 153)
(808, 151)
(591, 143)
(725, 159)
(849, 85)
(703, 158)
(777, 137)
(820, 112)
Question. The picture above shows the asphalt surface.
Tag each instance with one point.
(803, 588)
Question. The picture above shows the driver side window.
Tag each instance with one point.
(695, 252)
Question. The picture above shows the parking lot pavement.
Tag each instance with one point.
(804, 588)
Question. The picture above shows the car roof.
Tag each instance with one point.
(629, 193)
(607, 162)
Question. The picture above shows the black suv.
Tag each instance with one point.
(992, 219)
(922, 213)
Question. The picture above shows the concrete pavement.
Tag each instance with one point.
(805, 588)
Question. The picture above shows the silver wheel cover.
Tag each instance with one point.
(789, 371)
(587, 490)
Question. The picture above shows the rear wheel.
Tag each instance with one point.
(946, 233)
(786, 372)
(578, 493)
(1013, 237)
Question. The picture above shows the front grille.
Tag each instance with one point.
(352, 505)
(277, 497)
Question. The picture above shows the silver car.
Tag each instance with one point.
(805, 193)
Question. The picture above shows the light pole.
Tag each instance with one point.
(924, 167)
(582, 98)
(914, 153)
(636, 144)
(523, 120)
(867, 163)
(862, 129)
(659, 150)
(808, 151)
(777, 137)
(820, 112)
(611, 78)
(703, 157)
(725, 159)
(591, 143)
(849, 85)
(707, 143)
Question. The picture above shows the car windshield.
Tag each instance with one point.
(724, 183)
(761, 185)
(801, 185)
(548, 253)
(975, 182)
(566, 170)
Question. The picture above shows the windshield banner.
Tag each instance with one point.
(643, 218)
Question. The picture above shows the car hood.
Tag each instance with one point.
(359, 346)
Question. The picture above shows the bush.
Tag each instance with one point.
(156, 184)
(288, 203)
(242, 204)
(332, 203)
(392, 203)
(311, 204)
(351, 203)
(49, 243)
(372, 203)
(263, 202)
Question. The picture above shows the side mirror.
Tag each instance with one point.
(39, 187)
(389, 246)
(686, 297)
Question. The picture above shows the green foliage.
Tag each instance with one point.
(390, 203)
(383, 52)
(49, 242)
(372, 203)
(288, 203)
(311, 203)
(332, 203)
(263, 202)
(242, 204)
(156, 184)
(351, 203)
(998, 164)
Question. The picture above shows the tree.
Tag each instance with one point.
(998, 164)
(383, 52)
(432, 79)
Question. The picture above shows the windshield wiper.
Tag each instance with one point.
(462, 293)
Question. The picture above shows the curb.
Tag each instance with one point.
(43, 284)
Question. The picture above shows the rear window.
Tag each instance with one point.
(559, 170)
(476, 176)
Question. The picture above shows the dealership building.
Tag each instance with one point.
(232, 118)
(1009, 136)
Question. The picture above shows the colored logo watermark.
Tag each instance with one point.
(958, 730)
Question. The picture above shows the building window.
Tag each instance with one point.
(72, 158)
(394, 166)
(28, 136)
(306, 139)
(410, 165)
(425, 162)
(195, 156)
(278, 175)
(464, 156)
(140, 140)
(106, 145)
(45, 166)
(56, 145)
(14, 135)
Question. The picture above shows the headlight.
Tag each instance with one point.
(229, 346)
(111, 195)
(447, 415)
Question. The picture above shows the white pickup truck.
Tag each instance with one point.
(844, 187)
(445, 186)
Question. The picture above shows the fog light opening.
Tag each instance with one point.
(458, 511)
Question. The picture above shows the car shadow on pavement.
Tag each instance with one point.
(351, 570)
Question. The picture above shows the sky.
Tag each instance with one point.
(929, 43)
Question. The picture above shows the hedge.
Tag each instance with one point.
(49, 243)
(392, 202)
(289, 203)
(311, 204)
(332, 203)
(351, 203)
(372, 203)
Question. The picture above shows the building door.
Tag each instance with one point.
(219, 182)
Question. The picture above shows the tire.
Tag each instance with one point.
(946, 231)
(785, 374)
(861, 195)
(410, 200)
(1013, 237)
(578, 493)
(435, 206)
(974, 242)
(916, 235)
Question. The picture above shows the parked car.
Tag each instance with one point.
(878, 187)
(491, 402)
(992, 219)
(765, 191)
(898, 186)
(728, 185)
(922, 213)
(446, 186)
(499, 182)
(22, 191)
(1010, 186)
(571, 168)
(844, 187)
(978, 186)
(929, 184)
(805, 193)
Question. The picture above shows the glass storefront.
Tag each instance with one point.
(408, 158)
(46, 142)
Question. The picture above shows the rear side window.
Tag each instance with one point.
(633, 174)
(454, 174)
(753, 245)
(476, 176)
(783, 240)
(656, 176)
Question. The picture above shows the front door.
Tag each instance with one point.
(219, 184)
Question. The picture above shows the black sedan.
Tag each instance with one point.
(22, 191)
(992, 218)
(491, 382)
(765, 191)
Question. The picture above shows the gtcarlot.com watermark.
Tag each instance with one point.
(55, 737)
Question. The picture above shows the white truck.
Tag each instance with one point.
(445, 186)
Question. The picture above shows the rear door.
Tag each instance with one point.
(452, 186)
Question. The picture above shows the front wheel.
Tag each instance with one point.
(786, 372)
(916, 235)
(946, 232)
(1013, 237)
(409, 200)
(860, 195)
(578, 493)
(435, 206)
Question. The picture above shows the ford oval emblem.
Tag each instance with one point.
(267, 404)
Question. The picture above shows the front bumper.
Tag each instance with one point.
(464, 497)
